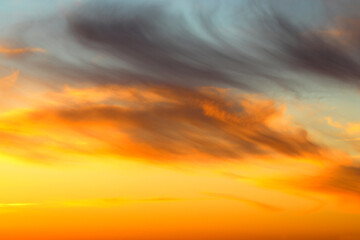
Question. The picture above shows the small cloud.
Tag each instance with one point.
(334, 124)
(17, 51)
(350, 127)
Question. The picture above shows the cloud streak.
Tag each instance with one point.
(257, 204)
(18, 51)
(340, 180)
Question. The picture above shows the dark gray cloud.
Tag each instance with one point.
(251, 46)
(159, 44)
(331, 51)
(150, 43)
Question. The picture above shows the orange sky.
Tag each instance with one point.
(90, 174)
(148, 125)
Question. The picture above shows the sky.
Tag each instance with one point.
(192, 119)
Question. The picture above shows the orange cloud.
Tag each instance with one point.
(338, 183)
(155, 122)
(350, 127)
(333, 123)
(339, 179)
(16, 51)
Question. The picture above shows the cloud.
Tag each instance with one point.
(149, 43)
(328, 49)
(261, 205)
(155, 93)
(157, 43)
(351, 128)
(253, 47)
(333, 123)
(18, 51)
(157, 122)
(342, 180)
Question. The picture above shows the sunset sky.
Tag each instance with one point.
(179, 119)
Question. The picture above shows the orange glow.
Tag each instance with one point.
(69, 154)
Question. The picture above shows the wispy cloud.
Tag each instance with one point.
(351, 128)
(10, 205)
(148, 43)
(258, 204)
(167, 122)
(18, 51)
